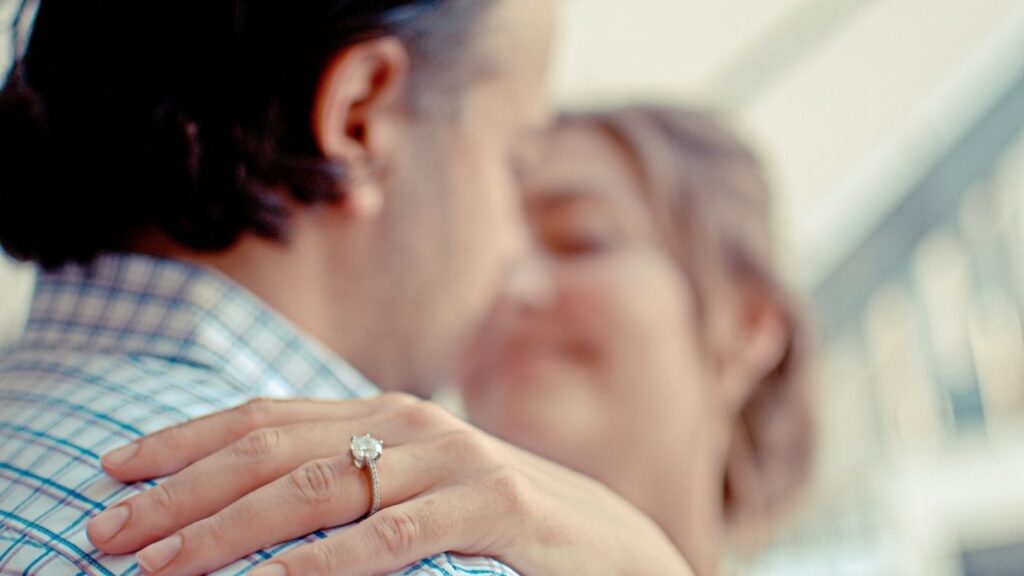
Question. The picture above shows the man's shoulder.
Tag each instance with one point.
(60, 410)
(450, 563)
(21, 554)
(133, 393)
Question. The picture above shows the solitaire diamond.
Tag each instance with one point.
(366, 449)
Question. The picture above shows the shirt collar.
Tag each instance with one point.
(144, 306)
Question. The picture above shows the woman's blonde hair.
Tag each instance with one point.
(709, 194)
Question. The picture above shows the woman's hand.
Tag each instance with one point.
(271, 471)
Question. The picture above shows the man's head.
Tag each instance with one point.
(366, 143)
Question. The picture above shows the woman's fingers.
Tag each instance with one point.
(213, 483)
(474, 517)
(261, 457)
(318, 495)
(171, 450)
(386, 542)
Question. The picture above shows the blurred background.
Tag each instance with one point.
(894, 131)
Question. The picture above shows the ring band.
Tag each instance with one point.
(375, 505)
(366, 451)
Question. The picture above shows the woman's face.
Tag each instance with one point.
(598, 364)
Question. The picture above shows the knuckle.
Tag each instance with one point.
(259, 444)
(426, 415)
(398, 399)
(317, 482)
(510, 489)
(161, 497)
(213, 530)
(467, 447)
(324, 559)
(395, 533)
(256, 413)
(223, 527)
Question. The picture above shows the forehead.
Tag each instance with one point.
(582, 163)
(582, 156)
(522, 29)
(519, 35)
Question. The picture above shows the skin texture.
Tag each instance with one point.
(601, 363)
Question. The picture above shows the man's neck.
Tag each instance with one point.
(287, 277)
(322, 285)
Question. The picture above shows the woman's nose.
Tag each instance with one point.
(530, 283)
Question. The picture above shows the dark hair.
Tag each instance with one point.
(188, 118)
(709, 194)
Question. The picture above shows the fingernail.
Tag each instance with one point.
(155, 556)
(107, 525)
(121, 455)
(269, 570)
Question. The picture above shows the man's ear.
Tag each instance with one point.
(761, 333)
(359, 116)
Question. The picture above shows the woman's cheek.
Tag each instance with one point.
(595, 307)
(621, 303)
(637, 312)
(630, 310)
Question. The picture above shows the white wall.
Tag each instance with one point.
(825, 87)
(15, 290)
(15, 281)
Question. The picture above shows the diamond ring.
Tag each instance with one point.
(366, 451)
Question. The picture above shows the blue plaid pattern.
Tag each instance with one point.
(123, 348)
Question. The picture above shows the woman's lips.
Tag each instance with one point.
(529, 359)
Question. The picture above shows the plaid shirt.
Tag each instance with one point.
(121, 349)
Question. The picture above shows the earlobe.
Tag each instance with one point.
(364, 201)
(763, 332)
(359, 113)
(770, 329)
